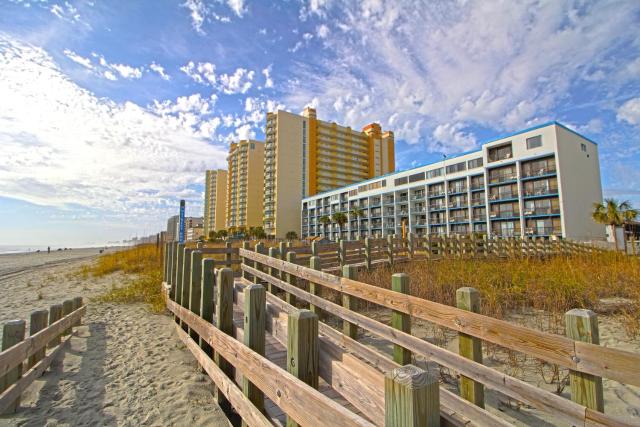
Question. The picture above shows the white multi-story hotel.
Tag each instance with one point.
(541, 181)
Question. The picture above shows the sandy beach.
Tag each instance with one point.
(125, 366)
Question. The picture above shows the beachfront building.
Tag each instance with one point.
(215, 201)
(305, 156)
(541, 181)
(172, 228)
(245, 184)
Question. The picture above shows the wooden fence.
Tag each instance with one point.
(25, 359)
(369, 388)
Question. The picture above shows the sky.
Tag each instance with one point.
(111, 111)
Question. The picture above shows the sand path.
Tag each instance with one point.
(125, 366)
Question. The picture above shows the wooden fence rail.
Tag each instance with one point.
(285, 274)
(25, 359)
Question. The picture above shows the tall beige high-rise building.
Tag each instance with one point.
(305, 156)
(215, 201)
(245, 184)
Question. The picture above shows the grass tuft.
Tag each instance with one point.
(143, 264)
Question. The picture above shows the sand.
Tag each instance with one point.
(125, 366)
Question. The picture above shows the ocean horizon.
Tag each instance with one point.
(19, 249)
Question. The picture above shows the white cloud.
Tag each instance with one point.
(237, 6)
(159, 69)
(85, 62)
(198, 12)
(322, 31)
(460, 72)
(268, 81)
(630, 111)
(109, 75)
(63, 146)
(238, 82)
(452, 139)
(203, 72)
(66, 12)
(127, 71)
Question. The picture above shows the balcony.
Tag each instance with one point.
(437, 207)
(477, 201)
(543, 231)
(502, 178)
(538, 172)
(389, 213)
(505, 215)
(541, 211)
(417, 210)
(537, 192)
(503, 196)
(402, 199)
(421, 222)
(458, 219)
(458, 204)
(477, 186)
(437, 220)
(480, 218)
(436, 193)
(457, 190)
(419, 196)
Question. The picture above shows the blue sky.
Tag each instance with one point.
(111, 111)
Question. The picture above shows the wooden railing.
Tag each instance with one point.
(358, 372)
(24, 359)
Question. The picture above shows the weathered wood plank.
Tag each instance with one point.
(303, 403)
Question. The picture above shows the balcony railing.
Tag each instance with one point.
(477, 186)
(542, 211)
(477, 202)
(494, 157)
(540, 191)
(505, 214)
(436, 193)
(479, 218)
(457, 190)
(458, 219)
(459, 204)
(437, 207)
(531, 172)
(543, 231)
(503, 177)
(503, 196)
(419, 196)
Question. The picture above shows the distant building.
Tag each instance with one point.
(541, 181)
(215, 201)
(245, 184)
(194, 233)
(173, 225)
(305, 156)
(172, 228)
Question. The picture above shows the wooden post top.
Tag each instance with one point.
(302, 314)
(411, 377)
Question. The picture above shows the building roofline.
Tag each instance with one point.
(509, 135)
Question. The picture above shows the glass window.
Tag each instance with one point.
(583, 147)
(534, 142)
(458, 167)
(400, 181)
(475, 163)
(433, 173)
(416, 177)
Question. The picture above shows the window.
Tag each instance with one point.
(434, 173)
(400, 181)
(458, 167)
(534, 142)
(475, 163)
(583, 147)
(253, 146)
(416, 177)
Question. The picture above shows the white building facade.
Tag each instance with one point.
(542, 181)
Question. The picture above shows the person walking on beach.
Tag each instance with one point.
(48, 249)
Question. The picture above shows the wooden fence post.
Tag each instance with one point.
(259, 248)
(470, 347)
(224, 322)
(349, 302)
(314, 248)
(302, 349)
(390, 250)
(411, 398)
(165, 264)
(228, 255)
(282, 250)
(273, 272)
(67, 308)
(12, 333)
(185, 280)
(367, 253)
(170, 266)
(342, 252)
(77, 303)
(586, 389)
(246, 246)
(55, 314)
(291, 279)
(207, 298)
(255, 307)
(315, 263)
(37, 323)
(195, 288)
(177, 280)
(399, 320)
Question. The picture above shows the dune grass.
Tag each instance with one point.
(142, 266)
(555, 285)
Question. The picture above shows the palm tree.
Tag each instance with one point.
(356, 213)
(324, 220)
(222, 234)
(291, 235)
(614, 214)
(340, 219)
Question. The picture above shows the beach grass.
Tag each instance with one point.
(142, 266)
(553, 285)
